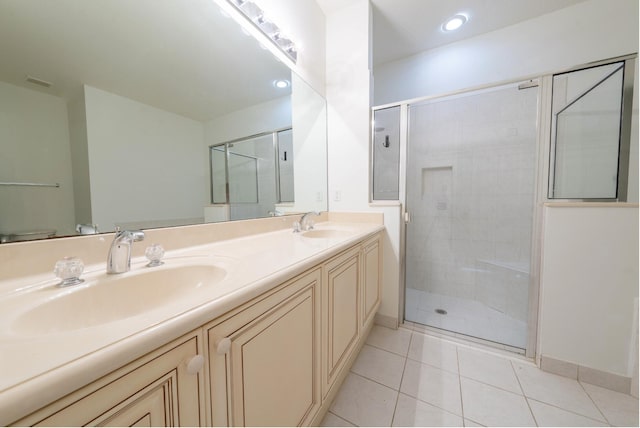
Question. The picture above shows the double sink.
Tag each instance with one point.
(101, 299)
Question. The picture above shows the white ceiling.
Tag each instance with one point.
(179, 56)
(185, 57)
(405, 27)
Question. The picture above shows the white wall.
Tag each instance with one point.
(348, 96)
(589, 31)
(264, 117)
(145, 163)
(309, 148)
(80, 159)
(35, 149)
(590, 287)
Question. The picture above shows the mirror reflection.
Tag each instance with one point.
(109, 111)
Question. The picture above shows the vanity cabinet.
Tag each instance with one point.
(372, 279)
(341, 319)
(263, 360)
(276, 360)
(164, 388)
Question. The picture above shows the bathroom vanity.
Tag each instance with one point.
(268, 342)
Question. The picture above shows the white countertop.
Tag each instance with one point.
(37, 368)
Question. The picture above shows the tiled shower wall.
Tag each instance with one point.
(470, 188)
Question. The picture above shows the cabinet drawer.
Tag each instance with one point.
(142, 394)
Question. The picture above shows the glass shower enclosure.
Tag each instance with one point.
(254, 174)
(470, 180)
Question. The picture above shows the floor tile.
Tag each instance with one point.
(331, 420)
(491, 406)
(380, 366)
(396, 341)
(432, 385)
(415, 413)
(547, 415)
(470, 423)
(433, 351)
(364, 402)
(619, 409)
(487, 368)
(556, 390)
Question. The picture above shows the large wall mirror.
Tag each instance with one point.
(109, 110)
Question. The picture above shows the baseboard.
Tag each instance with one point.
(601, 378)
(386, 321)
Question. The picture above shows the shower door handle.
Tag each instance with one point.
(407, 217)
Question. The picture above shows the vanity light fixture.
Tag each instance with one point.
(255, 15)
(454, 23)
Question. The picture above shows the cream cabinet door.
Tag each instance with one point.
(160, 390)
(264, 359)
(341, 313)
(371, 271)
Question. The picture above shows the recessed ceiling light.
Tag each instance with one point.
(454, 23)
(281, 84)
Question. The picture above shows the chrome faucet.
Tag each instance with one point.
(304, 223)
(119, 259)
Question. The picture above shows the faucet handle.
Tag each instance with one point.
(154, 254)
(69, 270)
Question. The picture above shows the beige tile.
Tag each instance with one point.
(619, 409)
(547, 415)
(415, 413)
(470, 423)
(556, 390)
(488, 368)
(559, 367)
(396, 341)
(364, 402)
(605, 380)
(331, 420)
(380, 366)
(491, 406)
(434, 351)
(432, 385)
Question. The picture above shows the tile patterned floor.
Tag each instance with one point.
(408, 378)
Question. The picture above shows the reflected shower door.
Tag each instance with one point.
(470, 191)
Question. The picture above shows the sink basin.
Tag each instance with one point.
(326, 233)
(114, 297)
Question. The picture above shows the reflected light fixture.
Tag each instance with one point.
(256, 16)
(281, 83)
(454, 23)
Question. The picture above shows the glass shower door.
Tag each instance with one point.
(470, 192)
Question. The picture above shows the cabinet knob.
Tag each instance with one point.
(195, 364)
(223, 346)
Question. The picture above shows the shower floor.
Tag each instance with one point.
(469, 317)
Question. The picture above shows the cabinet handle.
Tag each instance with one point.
(195, 364)
(223, 346)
